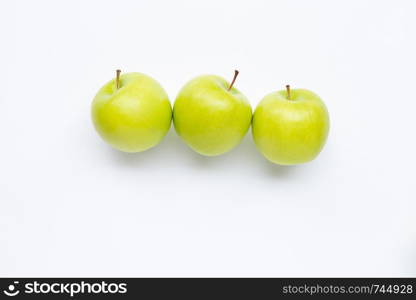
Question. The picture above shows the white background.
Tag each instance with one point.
(72, 206)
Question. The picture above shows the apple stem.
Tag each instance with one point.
(118, 78)
(288, 91)
(232, 82)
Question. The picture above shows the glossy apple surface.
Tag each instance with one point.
(133, 117)
(290, 130)
(209, 117)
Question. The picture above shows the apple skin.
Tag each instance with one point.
(290, 131)
(134, 117)
(209, 118)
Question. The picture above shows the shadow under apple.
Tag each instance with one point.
(173, 151)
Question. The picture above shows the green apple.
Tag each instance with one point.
(211, 115)
(290, 127)
(132, 112)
